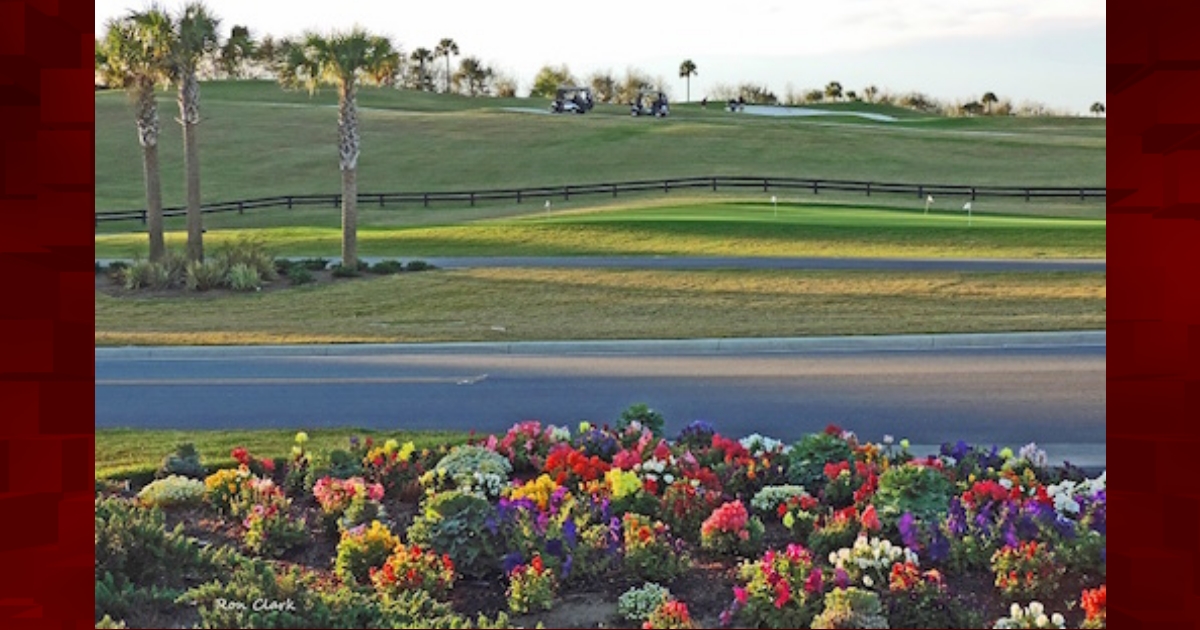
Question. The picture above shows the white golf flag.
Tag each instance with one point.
(967, 206)
(929, 199)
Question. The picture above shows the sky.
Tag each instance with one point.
(1046, 51)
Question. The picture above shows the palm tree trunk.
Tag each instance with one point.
(147, 126)
(189, 117)
(348, 143)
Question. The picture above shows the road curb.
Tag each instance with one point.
(898, 343)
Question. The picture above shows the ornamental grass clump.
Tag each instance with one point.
(361, 549)
(173, 491)
(531, 587)
(731, 530)
(411, 568)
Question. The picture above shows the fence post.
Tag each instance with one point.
(472, 200)
(425, 197)
(1026, 195)
(1081, 197)
(289, 202)
(143, 217)
(518, 196)
(714, 184)
(920, 192)
(240, 208)
(380, 200)
(868, 189)
(666, 185)
(972, 193)
(566, 193)
(766, 185)
(816, 186)
(614, 190)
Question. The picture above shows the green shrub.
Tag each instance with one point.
(313, 264)
(418, 265)
(644, 415)
(284, 267)
(300, 275)
(184, 461)
(243, 277)
(123, 600)
(116, 270)
(851, 608)
(107, 622)
(456, 523)
(143, 274)
(343, 270)
(202, 276)
(386, 267)
(807, 459)
(251, 252)
(921, 490)
(172, 491)
(133, 546)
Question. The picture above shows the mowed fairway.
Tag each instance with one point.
(537, 304)
(258, 140)
(696, 228)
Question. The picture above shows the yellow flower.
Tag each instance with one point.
(390, 446)
(301, 437)
(585, 426)
(406, 451)
(904, 444)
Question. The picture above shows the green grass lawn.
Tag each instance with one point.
(121, 453)
(258, 140)
(549, 304)
(667, 227)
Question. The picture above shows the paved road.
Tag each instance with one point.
(728, 262)
(1051, 395)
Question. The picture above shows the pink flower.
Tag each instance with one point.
(376, 492)
(739, 594)
(815, 582)
(662, 451)
(783, 594)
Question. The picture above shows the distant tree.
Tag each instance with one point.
(473, 75)
(635, 80)
(549, 79)
(445, 48)
(870, 92)
(422, 80)
(833, 90)
(1097, 108)
(686, 70)
(238, 50)
(604, 86)
(851, 95)
(757, 94)
(343, 60)
(134, 56)
(988, 99)
(814, 96)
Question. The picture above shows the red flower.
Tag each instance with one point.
(240, 455)
(870, 519)
(783, 593)
(268, 464)
(833, 430)
(662, 451)
(537, 564)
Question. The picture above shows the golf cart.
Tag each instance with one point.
(650, 103)
(572, 100)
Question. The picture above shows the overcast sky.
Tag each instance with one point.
(1050, 51)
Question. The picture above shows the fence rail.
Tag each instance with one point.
(566, 192)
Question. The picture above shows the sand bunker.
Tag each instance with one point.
(772, 110)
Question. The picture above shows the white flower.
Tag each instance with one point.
(669, 478)
(833, 557)
(1057, 620)
(1014, 611)
(887, 439)
(1036, 609)
(1041, 621)
(1006, 483)
(868, 582)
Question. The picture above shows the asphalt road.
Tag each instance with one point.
(1054, 396)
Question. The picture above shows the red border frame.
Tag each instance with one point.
(46, 359)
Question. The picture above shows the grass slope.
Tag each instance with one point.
(547, 304)
(716, 228)
(259, 140)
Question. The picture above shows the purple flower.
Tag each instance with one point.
(543, 520)
(1010, 536)
(554, 547)
(569, 532)
(490, 523)
(512, 561)
(566, 567)
(840, 578)
(908, 531)
(939, 546)
(956, 521)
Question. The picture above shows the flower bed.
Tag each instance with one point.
(558, 526)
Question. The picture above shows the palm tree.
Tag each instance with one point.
(134, 55)
(238, 49)
(343, 60)
(423, 56)
(988, 99)
(686, 70)
(475, 74)
(195, 37)
(833, 90)
(869, 93)
(1097, 108)
(445, 48)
